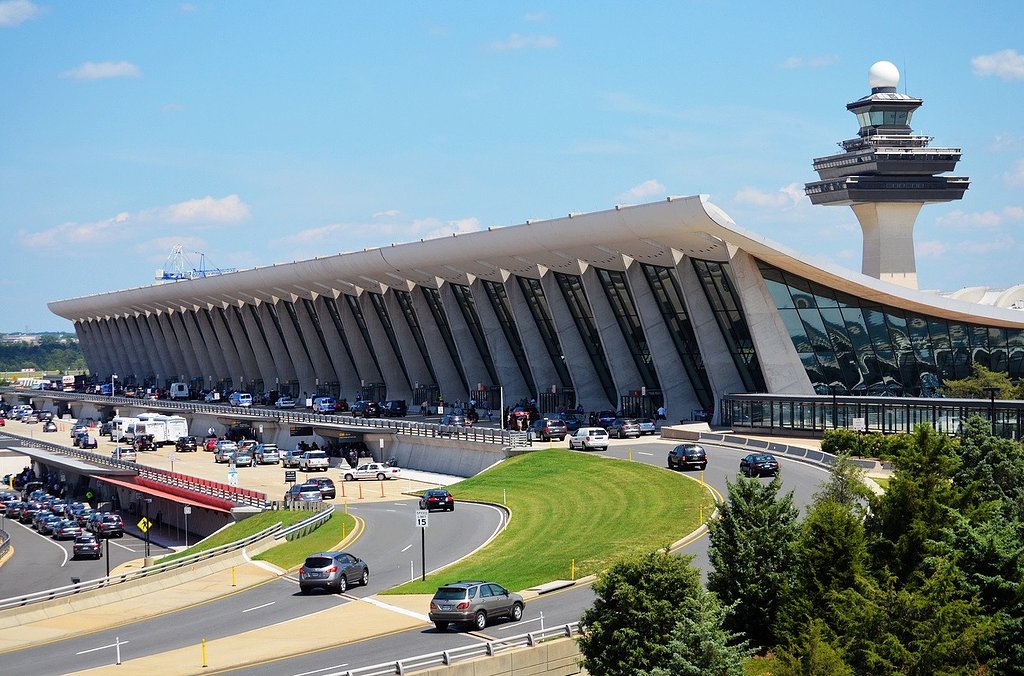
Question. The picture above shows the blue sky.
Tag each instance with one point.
(267, 132)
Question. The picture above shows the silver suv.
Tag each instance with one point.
(332, 571)
(473, 603)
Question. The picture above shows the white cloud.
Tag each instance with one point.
(16, 12)
(447, 228)
(786, 196)
(102, 71)
(931, 249)
(230, 209)
(203, 211)
(1005, 142)
(1015, 176)
(640, 192)
(795, 62)
(981, 219)
(388, 213)
(517, 41)
(988, 245)
(535, 16)
(323, 233)
(1006, 65)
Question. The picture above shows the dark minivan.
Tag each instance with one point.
(685, 456)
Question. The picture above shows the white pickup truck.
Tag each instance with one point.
(372, 470)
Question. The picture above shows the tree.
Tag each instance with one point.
(812, 655)
(976, 385)
(699, 645)
(640, 602)
(752, 557)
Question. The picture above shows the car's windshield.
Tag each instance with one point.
(450, 594)
(318, 562)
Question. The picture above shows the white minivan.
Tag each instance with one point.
(178, 391)
(240, 399)
(589, 439)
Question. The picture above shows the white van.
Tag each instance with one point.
(118, 427)
(178, 391)
(156, 429)
(324, 405)
(240, 399)
(177, 427)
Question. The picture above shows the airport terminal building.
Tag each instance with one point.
(668, 303)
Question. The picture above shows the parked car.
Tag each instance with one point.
(323, 405)
(364, 409)
(210, 444)
(474, 604)
(240, 399)
(225, 450)
(605, 418)
(332, 571)
(243, 457)
(621, 428)
(647, 426)
(759, 464)
(266, 454)
(454, 420)
(78, 428)
(394, 408)
(186, 444)
(572, 422)
(686, 456)
(49, 426)
(589, 439)
(47, 523)
(125, 453)
(372, 470)
(437, 498)
(143, 443)
(284, 401)
(105, 524)
(314, 461)
(85, 545)
(325, 485)
(302, 493)
(291, 458)
(66, 529)
(547, 429)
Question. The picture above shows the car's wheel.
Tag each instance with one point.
(452, 508)
(480, 620)
(348, 477)
(342, 584)
(441, 626)
(365, 579)
(703, 466)
(380, 476)
(516, 613)
(304, 590)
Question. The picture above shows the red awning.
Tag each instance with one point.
(197, 499)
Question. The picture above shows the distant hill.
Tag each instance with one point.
(47, 352)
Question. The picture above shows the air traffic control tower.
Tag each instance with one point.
(886, 175)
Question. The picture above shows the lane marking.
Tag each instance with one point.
(258, 607)
(102, 647)
(395, 609)
(407, 547)
(320, 671)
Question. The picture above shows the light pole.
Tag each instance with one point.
(992, 408)
(147, 501)
(113, 377)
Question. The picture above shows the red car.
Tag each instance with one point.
(210, 444)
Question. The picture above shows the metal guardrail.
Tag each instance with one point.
(484, 435)
(448, 657)
(242, 496)
(307, 525)
(5, 543)
(136, 574)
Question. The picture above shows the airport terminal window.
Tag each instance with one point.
(379, 306)
(669, 298)
(332, 310)
(865, 348)
(579, 307)
(433, 298)
(714, 279)
(357, 314)
(503, 311)
(404, 299)
(533, 292)
(624, 309)
(467, 304)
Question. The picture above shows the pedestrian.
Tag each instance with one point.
(423, 408)
(661, 412)
(210, 432)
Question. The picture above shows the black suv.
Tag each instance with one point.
(186, 444)
(395, 408)
(105, 525)
(685, 456)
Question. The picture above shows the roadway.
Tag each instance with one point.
(390, 544)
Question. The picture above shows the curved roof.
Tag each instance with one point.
(659, 233)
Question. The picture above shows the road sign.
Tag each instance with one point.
(187, 509)
(859, 425)
(144, 524)
(232, 476)
(421, 518)
(289, 475)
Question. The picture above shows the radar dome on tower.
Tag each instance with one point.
(883, 74)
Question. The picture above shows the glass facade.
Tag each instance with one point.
(725, 304)
(332, 310)
(579, 307)
(503, 311)
(405, 302)
(377, 300)
(669, 297)
(853, 346)
(464, 298)
(433, 298)
(533, 292)
(357, 313)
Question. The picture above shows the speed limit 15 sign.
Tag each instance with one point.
(421, 518)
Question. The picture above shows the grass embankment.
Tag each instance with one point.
(287, 555)
(568, 506)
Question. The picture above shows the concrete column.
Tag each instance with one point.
(218, 341)
(415, 366)
(442, 361)
(323, 359)
(616, 350)
(348, 375)
(92, 347)
(390, 363)
(174, 330)
(544, 372)
(174, 348)
(363, 354)
(472, 360)
(238, 351)
(888, 229)
(188, 323)
(133, 344)
(167, 368)
(276, 349)
(298, 345)
(509, 374)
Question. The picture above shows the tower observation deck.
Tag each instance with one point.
(886, 175)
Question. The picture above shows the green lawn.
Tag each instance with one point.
(570, 506)
(325, 538)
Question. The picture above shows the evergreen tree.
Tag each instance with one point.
(752, 557)
(812, 655)
(640, 601)
(699, 645)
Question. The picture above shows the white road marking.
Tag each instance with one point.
(258, 607)
(320, 671)
(407, 547)
(102, 647)
(643, 453)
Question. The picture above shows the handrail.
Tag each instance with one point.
(5, 543)
(482, 435)
(98, 583)
(307, 525)
(452, 655)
